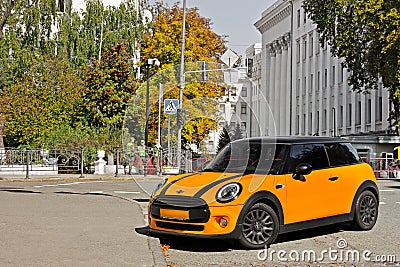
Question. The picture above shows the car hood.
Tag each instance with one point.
(197, 184)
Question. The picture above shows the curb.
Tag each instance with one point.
(74, 179)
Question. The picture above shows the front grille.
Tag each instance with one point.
(196, 207)
(182, 227)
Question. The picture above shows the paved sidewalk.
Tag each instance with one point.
(147, 250)
(76, 177)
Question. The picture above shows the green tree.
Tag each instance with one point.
(366, 33)
(162, 41)
(109, 86)
(237, 133)
(83, 36)
(43, 100)
(223, 139)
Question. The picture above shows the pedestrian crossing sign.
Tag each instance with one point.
(170, 106)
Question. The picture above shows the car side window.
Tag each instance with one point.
(342, 154)
(313, 154)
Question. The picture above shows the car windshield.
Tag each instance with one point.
(249, 157)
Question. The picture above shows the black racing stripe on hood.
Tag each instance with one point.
(209, 186)
(171, 183)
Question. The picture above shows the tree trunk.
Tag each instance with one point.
(3, 21)
(1, 132)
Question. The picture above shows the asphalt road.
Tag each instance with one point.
(92, 223)
(74, 224)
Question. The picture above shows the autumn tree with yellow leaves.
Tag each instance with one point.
(163, 41)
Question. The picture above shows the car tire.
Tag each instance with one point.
(260, 227)
(366, 211)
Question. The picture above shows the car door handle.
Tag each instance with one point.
(279, 186)
(334, 178)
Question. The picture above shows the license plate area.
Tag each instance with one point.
(174, 214)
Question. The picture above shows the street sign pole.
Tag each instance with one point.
(182, 84)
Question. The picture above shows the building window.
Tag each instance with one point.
(379, 115)
(349, 117)
(340, 122)
(243, 124)
(341, 73)
(324, 120)
(298, 18)
(317, 122)
(333, 75)
(310, 123)
(358, 112)
(61, 6)
(311, 45)
(244, 91)
(304, 85)
(304, 124)
(305, 49)
(325, 78)
(368, 111)
(304, 16)
(298, 124)
(311, 82)
(318, 80)
(298, 51)
(243, 108)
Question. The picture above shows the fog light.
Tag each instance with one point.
(223, 222)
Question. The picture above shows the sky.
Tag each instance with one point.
(234, 18)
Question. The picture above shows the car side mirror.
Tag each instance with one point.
(300, 170)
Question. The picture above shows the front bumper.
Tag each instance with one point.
(146, 230)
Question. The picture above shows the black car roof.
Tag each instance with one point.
(293, 140)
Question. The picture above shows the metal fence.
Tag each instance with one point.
(39, 161)
(384, 167)
(153, 162)
(60, 160)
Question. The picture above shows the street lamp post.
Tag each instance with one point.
(181, 87)
(156, 62)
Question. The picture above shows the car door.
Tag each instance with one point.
(309, 196)
(346, 172)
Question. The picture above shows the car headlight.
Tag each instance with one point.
(161, 184)
(228, 192)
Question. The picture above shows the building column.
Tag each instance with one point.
(271, 91)
(278, 87)
(284, 81)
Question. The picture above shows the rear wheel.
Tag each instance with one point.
(366, 212)
(260, 227)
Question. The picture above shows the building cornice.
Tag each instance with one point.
(273, 15)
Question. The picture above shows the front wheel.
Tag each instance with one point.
(260, 227)
(366, 211)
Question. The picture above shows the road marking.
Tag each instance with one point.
(382, 203)
(72, 183)
(397, 202)
(96, 192)
(46, 185)
(126, 192)
(386, 190)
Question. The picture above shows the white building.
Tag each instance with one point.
(305, 87)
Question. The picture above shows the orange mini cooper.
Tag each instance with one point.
(257, 188)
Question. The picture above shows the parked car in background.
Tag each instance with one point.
(257, 188)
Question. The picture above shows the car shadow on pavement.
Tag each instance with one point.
(313, 232)
(204, 245)
(197, 244)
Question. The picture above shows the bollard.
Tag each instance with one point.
(116, 167)
(82, 161)
(27, 164)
